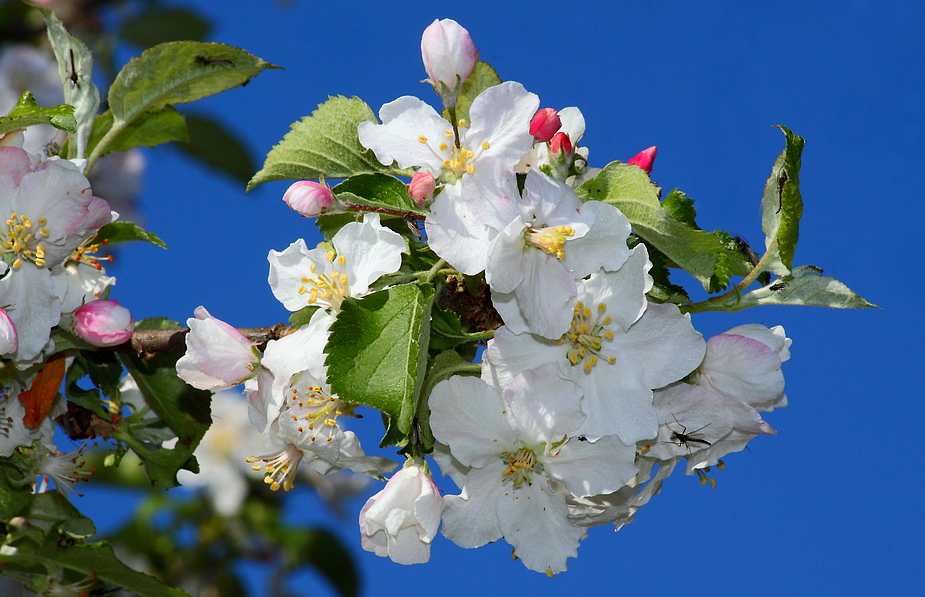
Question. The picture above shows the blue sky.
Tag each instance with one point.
(831, 505)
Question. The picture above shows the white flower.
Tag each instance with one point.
(401, 520)
(292, 405)
(522, 459)
(414, 135)
(617, 349)
(218, 356)
(690, 418)
(541, 243)
(363, 252)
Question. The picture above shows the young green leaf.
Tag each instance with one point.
(782, 206)
(323, 145)
(120, 232)
(27, 113)
(160, 125)
(380, 190)
(75, 65)
(377, 351)
(628, 188)
(804, 286)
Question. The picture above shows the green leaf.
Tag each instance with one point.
(377, 351)
(804, 286)
(177, 73)
(160, 25)
(446, 330)
(214, 145)
(96, 560)
(13, 496)
(120, 232)
(50, 512)
(379, 190)
(323, 145)
(75, 65)
(27, 113)
(303, 316)
(681, 207)
(153, 127)
(782, 206)
(185, 409)
(483, 76)
(663, 290)
(628, 188)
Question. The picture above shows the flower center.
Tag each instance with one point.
(318, 409)
(86, 253)
(551, 240)
(328, 288)
(586, 336)
(281, 467)
(23, 239)
(520, 464)
(456, 160)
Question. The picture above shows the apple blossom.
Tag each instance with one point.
(449, 57)
(104, 323)
(644, 159)
(50, 212)
(218, 356)
(401, 520)
(523, 457)
(618, 348)
(309, 198)
(414, 135)
(363, 251)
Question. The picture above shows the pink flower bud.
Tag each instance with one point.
(309, 198)
(545, 124)
(9, 339)
(644, 159)
(103, 323)
(449, 55)
(422, 187)
(560, 145)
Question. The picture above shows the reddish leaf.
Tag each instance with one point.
(39, 398)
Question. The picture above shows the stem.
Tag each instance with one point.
(432, 272)
(147, 344)
(384, 210)
(455, 123)
(100, 148)
(717, 301)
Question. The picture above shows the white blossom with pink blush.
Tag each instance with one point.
(449, 57)
(49, 211)
(104, 323)
(400, 521)
(218, 356)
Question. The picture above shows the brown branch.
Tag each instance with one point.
(149, 343)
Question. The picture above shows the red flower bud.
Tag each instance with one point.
(544, 124)
(644, 159)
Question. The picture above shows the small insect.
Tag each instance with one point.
(781, 183)
(779, 286)
(210, 60)
(73, 76)
(683, 438)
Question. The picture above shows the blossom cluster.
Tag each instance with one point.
(589, 395)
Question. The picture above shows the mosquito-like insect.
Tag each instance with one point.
(683, 438)
(73, 76)
(779, 286)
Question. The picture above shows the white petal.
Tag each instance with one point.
(404, 122)
(616, 401)
(604, 246)
(370, 251)
(534, 519)
(455, 234)
(471, 519)
(544, 406)
(591, 468)
(501, 116)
